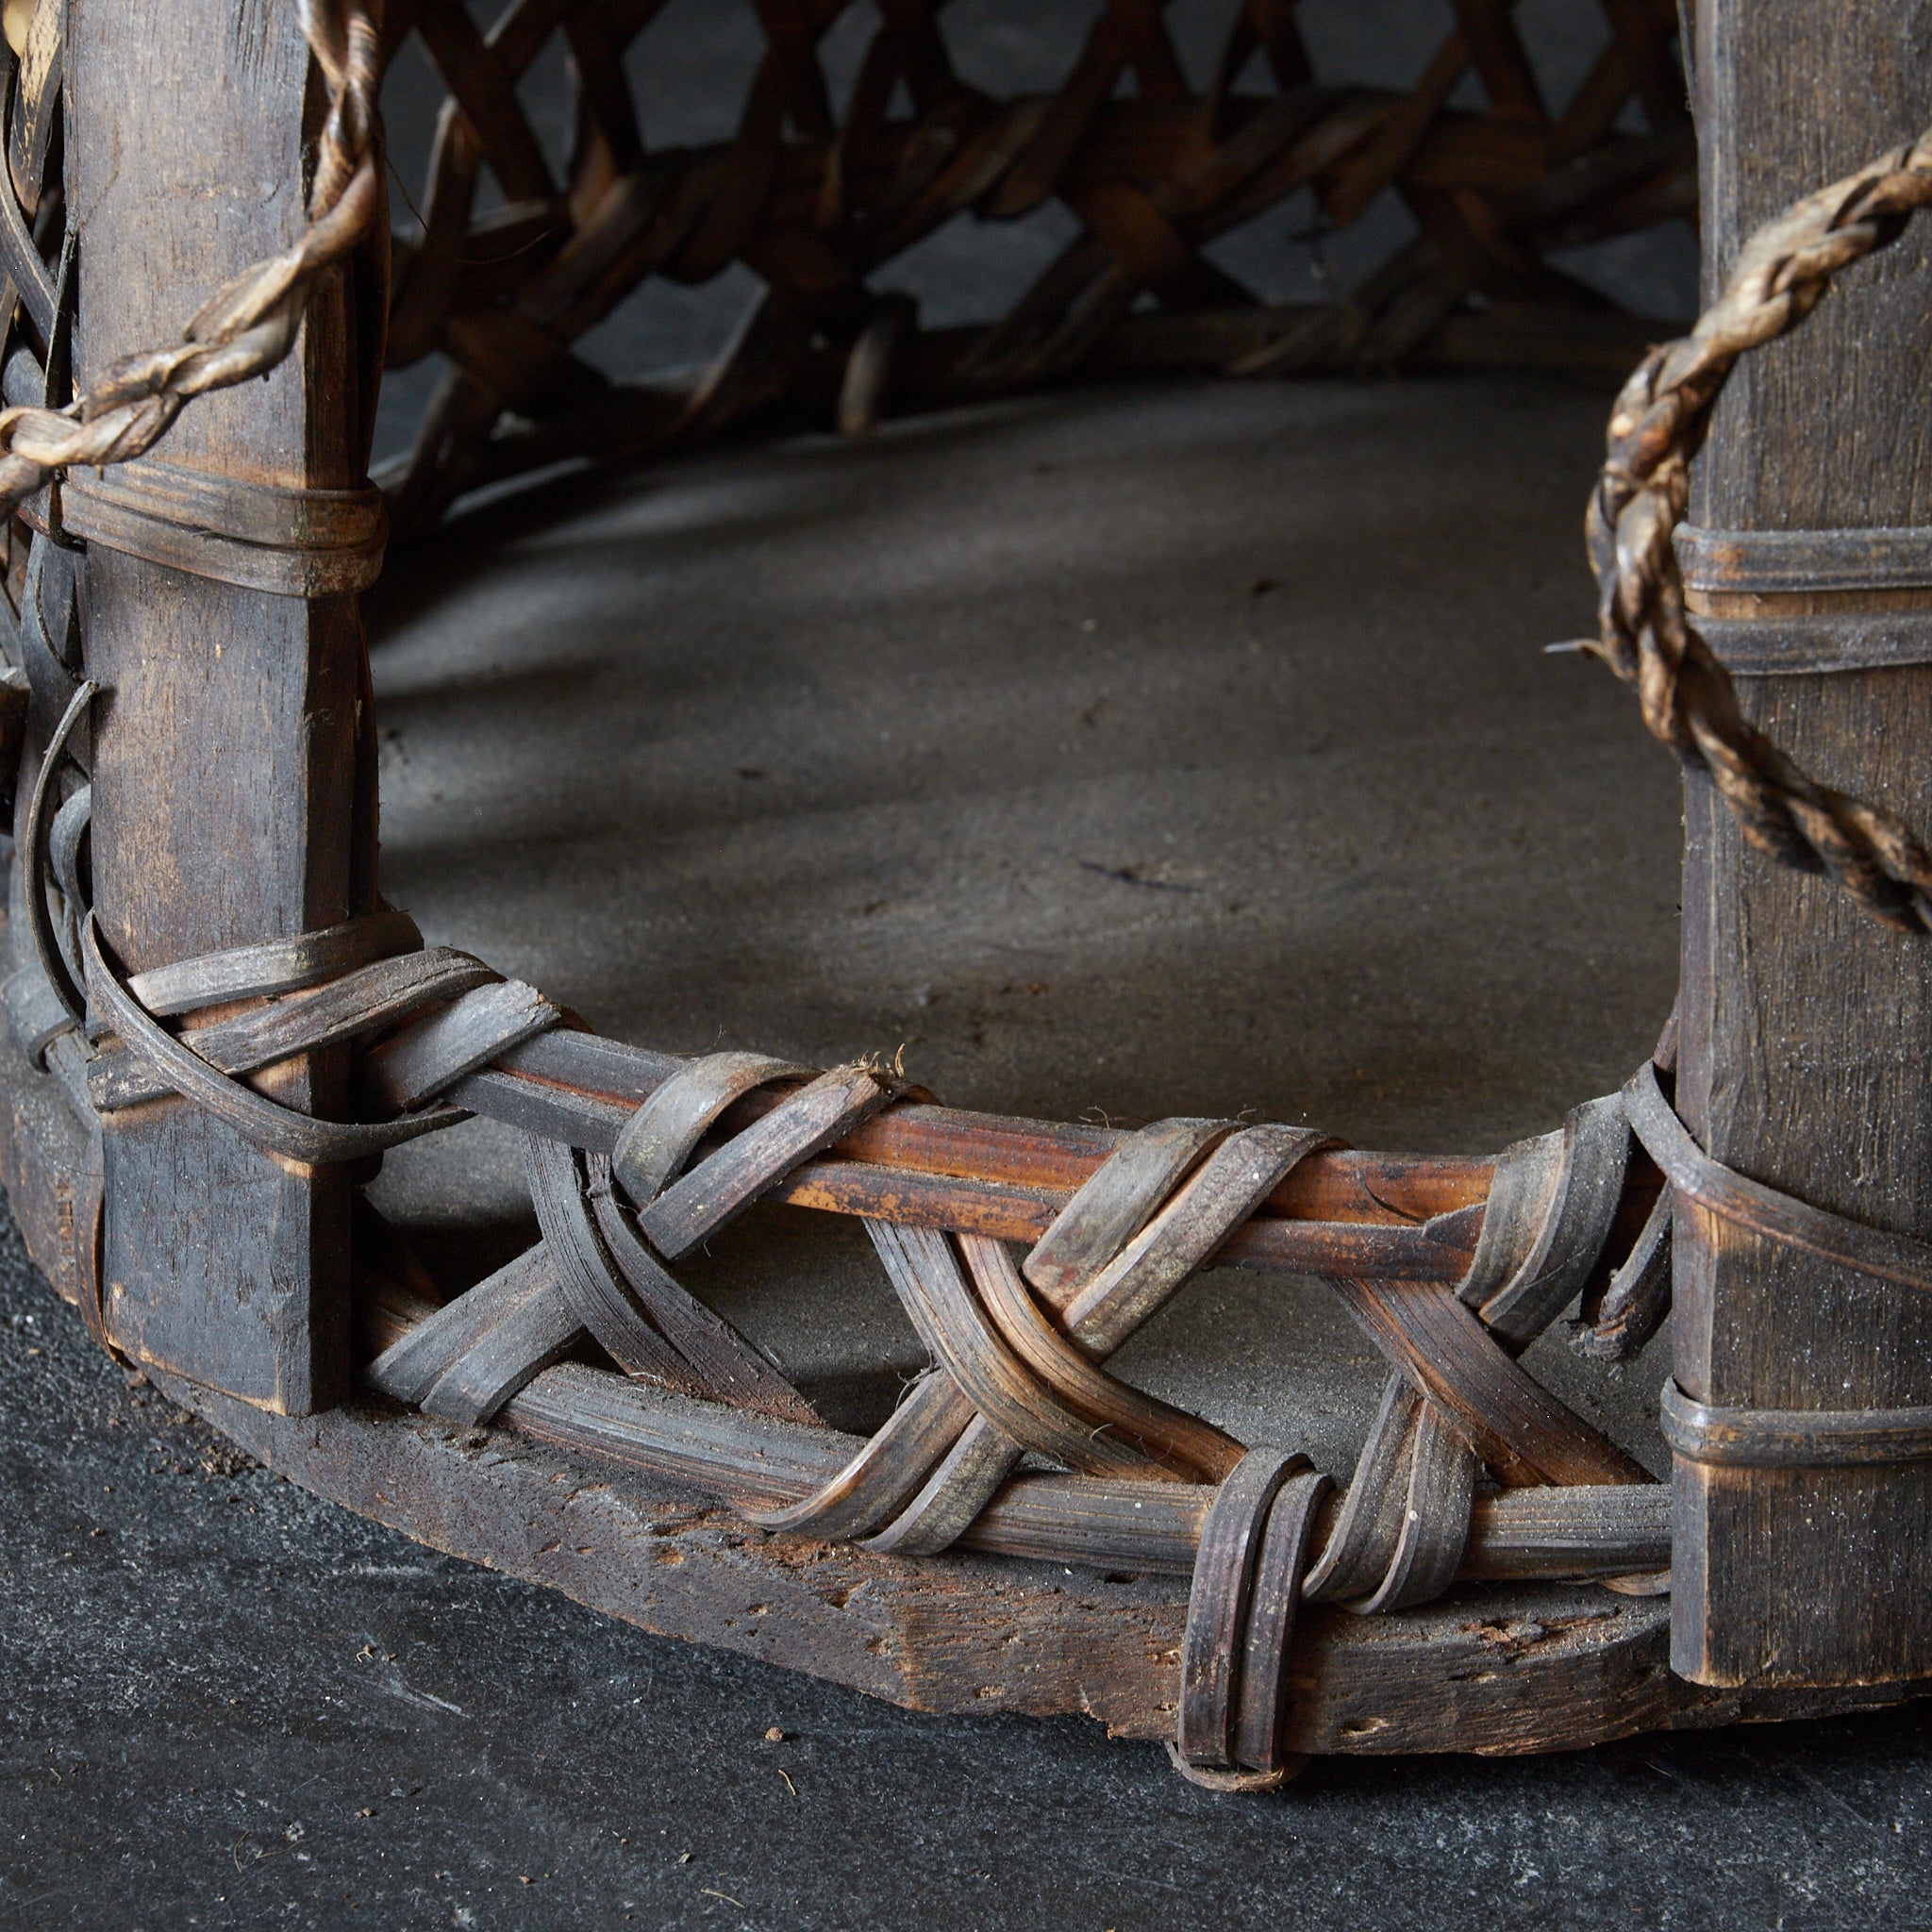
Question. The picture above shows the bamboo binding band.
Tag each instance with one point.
(1793, 1438)
(1741, 1438)
(1784, 646)
(1813, 565)
(260, 536)
(1781, 562)
(1710, 1185)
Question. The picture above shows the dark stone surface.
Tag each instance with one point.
(231, 1705)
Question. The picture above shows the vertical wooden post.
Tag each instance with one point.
(1807, 1029)
(224, 747)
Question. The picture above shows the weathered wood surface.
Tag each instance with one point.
(225, 776)
(1492, 1669)
(1806, 1029)
(43, 1147)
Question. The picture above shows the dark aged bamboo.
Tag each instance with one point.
(225, 641)
(816, 199)
(1539, 1533)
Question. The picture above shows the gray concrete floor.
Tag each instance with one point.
(985, 736)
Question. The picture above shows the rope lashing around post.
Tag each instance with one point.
(1658, 424)
(248, 327)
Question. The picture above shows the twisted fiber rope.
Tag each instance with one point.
(1658, 424)
(249, 325)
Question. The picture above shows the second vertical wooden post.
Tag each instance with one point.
(1806, 1048)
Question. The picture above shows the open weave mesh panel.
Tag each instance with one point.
(819, 188)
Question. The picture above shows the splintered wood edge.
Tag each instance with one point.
(1490, 1669)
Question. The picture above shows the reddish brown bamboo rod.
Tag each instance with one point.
(1342, 1212)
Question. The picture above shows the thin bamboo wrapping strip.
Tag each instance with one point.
(577, 1088)
(1522, 1534)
